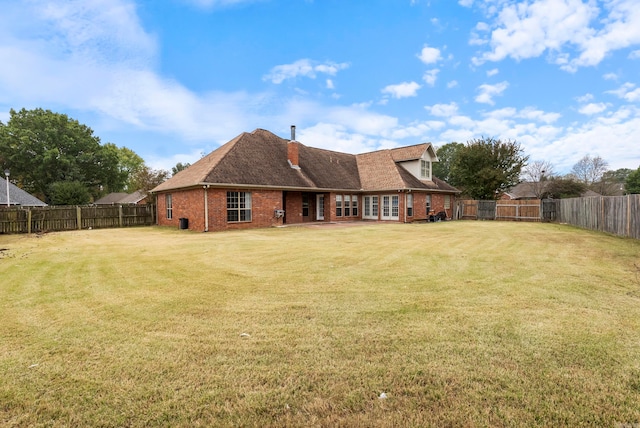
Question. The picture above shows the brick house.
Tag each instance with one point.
(259, 180)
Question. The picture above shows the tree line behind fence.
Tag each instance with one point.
(50, 219)
(619, 215)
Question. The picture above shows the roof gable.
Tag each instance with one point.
(417, 151)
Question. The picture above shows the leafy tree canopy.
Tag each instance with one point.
(146, 178)
(68, 193)
(179, 167)
(485, 167)
(446, 156)
(41, 148)
(129, 164)
(560, 188)
(632, 185)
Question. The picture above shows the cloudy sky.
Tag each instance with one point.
(174, 79)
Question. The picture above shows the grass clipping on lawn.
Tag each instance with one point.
(446, 324)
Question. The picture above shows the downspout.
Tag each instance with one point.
(405, 207)
(206, 208)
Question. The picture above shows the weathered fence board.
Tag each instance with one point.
(529, 210)
(619, 215)
(49, 219)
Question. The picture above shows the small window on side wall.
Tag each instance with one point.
(169, 203)
(410, 205)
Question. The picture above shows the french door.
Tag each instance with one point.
(390, 207)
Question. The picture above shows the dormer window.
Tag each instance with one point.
(425, 169)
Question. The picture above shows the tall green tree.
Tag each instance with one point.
(446, 156)
(632, 185)
(41, 147)
(147, 178)
(561, 188)
(486, 167)
(179, 167)
(68, 193)
(129, 165)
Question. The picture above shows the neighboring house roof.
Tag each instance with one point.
(527, 190)
(110, 199)
(524, 190)
(133, 198)
(260, 158)
(121, 198)
(17, 196)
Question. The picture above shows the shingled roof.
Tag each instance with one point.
(260, 159)
(17, 196)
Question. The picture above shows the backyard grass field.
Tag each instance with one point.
(456, 323)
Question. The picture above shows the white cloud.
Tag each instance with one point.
(492, 72)
(593, 108)
(538, 115)
(452, 84)
(417, 131)
(431, 76)
(610, 76)
(302, 67)
(336, 137)
(330, 84)
(627, 92)
(487, 92)
(402, 90)
(429, 55)
(574, 33)
(585, 98)
(634, 55)
(465, 3)
(443, 110)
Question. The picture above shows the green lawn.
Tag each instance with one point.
(458, 323)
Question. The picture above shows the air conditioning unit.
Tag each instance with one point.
(279, 213)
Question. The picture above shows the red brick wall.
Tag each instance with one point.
(293, 210)
(190, 204)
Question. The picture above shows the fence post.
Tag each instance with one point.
(29, 220)
(628, 215)
(120, 215)
(79, 217)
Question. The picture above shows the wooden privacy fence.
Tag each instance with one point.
(527, 210)
(619, 215)
(49, 219)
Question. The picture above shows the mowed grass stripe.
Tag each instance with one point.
(459, 323)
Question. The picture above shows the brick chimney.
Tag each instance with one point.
(293, 149)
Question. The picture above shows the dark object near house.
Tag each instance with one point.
(184, 223)
(441, 216)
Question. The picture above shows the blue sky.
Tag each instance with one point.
(174, 79)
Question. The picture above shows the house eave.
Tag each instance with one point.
(304, 189)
